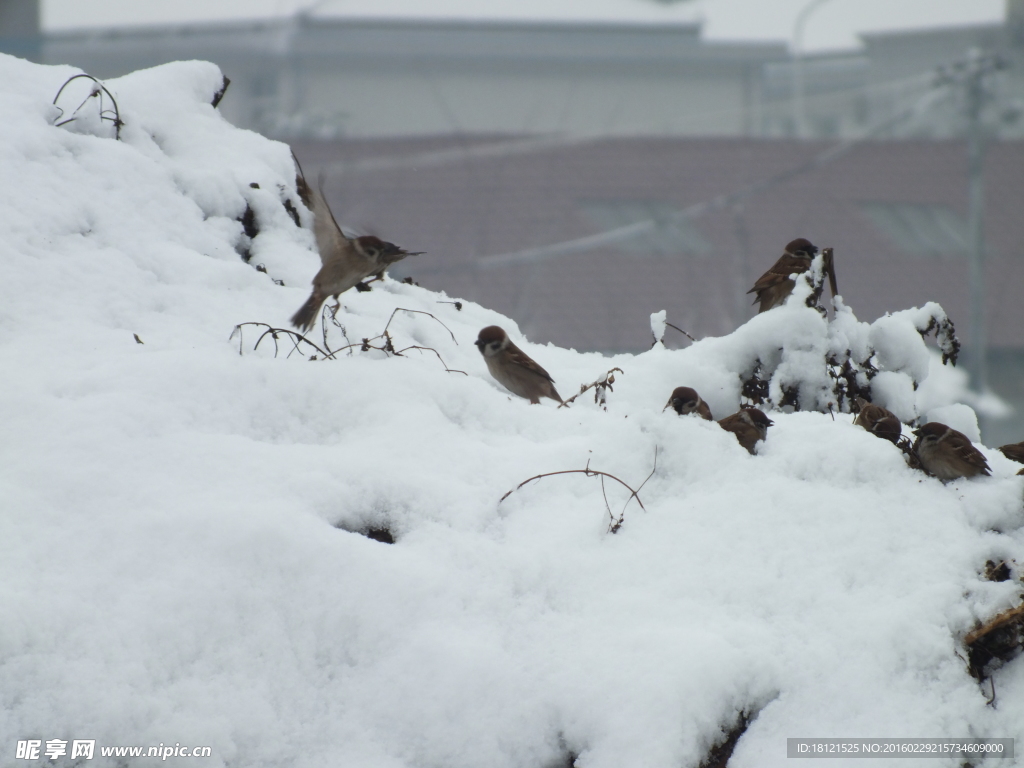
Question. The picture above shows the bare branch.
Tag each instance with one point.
(588, 472)
(295, 337)
(418, 312)
(599, 386)
(431, 349)
(830, 268)
(98, 90)
(681, 331)
(653, 470)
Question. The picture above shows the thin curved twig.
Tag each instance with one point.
(653, 470)
(588, 472)
(116, 120)
(295, 337)
(418, 312)
(680, 330)
(599, 386)
(431, 349)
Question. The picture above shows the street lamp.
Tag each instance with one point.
(799, 113)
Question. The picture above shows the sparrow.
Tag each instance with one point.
(346, 262)
(774, 286)
(513, 368)
(685, 400)
(948, 454)
(749, 425)
(879, 421)
(1014, 452)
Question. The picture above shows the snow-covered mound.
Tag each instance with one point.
(182, 551)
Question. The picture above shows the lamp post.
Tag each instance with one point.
(799, 113)
(293, 113)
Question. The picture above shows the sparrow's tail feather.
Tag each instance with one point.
(305, 318)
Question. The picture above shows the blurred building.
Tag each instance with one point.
(323, 76)
(19, 29)
(314, 75)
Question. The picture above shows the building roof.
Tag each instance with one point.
(397, 38)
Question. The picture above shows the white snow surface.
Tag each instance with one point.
(180, 554)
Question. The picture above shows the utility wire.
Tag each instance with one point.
(523, 146)
(608, 237)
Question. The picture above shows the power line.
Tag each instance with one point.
(608, 237)
(529, 145)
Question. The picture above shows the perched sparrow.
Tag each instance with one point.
(749, 425)
(1014, 452)
(878, 421)
(345, 262)
(774, 286)
(948, 454)
(513, 368)
(686, 400)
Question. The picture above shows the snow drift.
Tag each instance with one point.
(182, 551)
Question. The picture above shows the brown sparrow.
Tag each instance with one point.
(774, 286)
(513, 368)
(685, 400)
(749, 425)
(345, 262)
(879, 421)
(948, 454)
(1014, 452)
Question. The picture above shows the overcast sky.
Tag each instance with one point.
(834, 24)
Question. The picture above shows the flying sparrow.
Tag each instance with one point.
(948, 454)
(878, 421)
(1014, 452)
(749, 425)
(345, 262)
(774, 286)
(513, 368)
(685, 400)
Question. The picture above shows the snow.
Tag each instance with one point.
(659, 322)
(181, 550)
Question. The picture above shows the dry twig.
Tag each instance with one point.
(97, 91)
(296, 338)
(418, 312)
(615, 523)
(669, 325)
(676, 327)
(386, 342)
(599, 387)
(1000, 637)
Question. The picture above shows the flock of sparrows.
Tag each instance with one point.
(346, 262)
